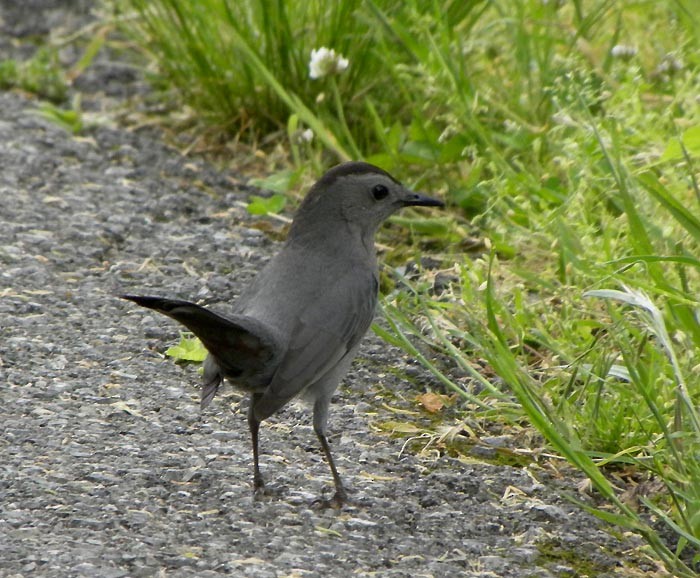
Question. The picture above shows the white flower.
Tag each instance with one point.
(563, 118)
(325, 61)
(306, 135)
(510, 125)
(623, 51)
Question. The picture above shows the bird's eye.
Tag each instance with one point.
(379, 192)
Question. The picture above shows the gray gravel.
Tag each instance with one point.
(107, 467)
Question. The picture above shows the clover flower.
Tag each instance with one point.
(325, 61)
(623, 52)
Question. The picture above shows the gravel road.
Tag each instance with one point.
(107, 467)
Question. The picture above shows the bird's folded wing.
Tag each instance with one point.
(325, 333)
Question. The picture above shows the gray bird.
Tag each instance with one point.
(296, 329)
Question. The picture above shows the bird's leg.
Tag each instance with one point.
(320, 418)
(341, 496)
(254, 425)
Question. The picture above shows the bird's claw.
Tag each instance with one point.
(338, 500)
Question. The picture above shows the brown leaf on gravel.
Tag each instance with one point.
(432, 402)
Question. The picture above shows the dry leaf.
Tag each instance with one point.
(432, 402)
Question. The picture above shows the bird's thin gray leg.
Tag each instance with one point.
(254, 425)
(320, 416)
(341, 496)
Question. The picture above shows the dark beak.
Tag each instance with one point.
(412, 199)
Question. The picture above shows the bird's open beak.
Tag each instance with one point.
(412, 199)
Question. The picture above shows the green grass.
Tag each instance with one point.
(41, 75)
(573, 158)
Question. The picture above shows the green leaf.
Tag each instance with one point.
(266, 205)
(386, 335)
(681, 259)
(382, 160)
(452, 151)
(393, 139)
(69, 120)
(420, 152)
(189, 349)
(679, 208)
(691, 142)
(277, 183)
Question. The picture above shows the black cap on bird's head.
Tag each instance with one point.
(349, 169)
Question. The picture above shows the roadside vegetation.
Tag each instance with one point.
(565, 137)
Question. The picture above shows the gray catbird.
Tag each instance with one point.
(298, 326)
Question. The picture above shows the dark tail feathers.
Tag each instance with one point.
(243, 349)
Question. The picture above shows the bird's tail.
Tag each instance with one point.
(240, 348)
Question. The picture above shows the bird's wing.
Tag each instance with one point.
(325, 333)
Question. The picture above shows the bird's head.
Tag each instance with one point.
(357, 195)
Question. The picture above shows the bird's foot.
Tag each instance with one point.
(258, 486)
(261, 491)
(339, 499)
